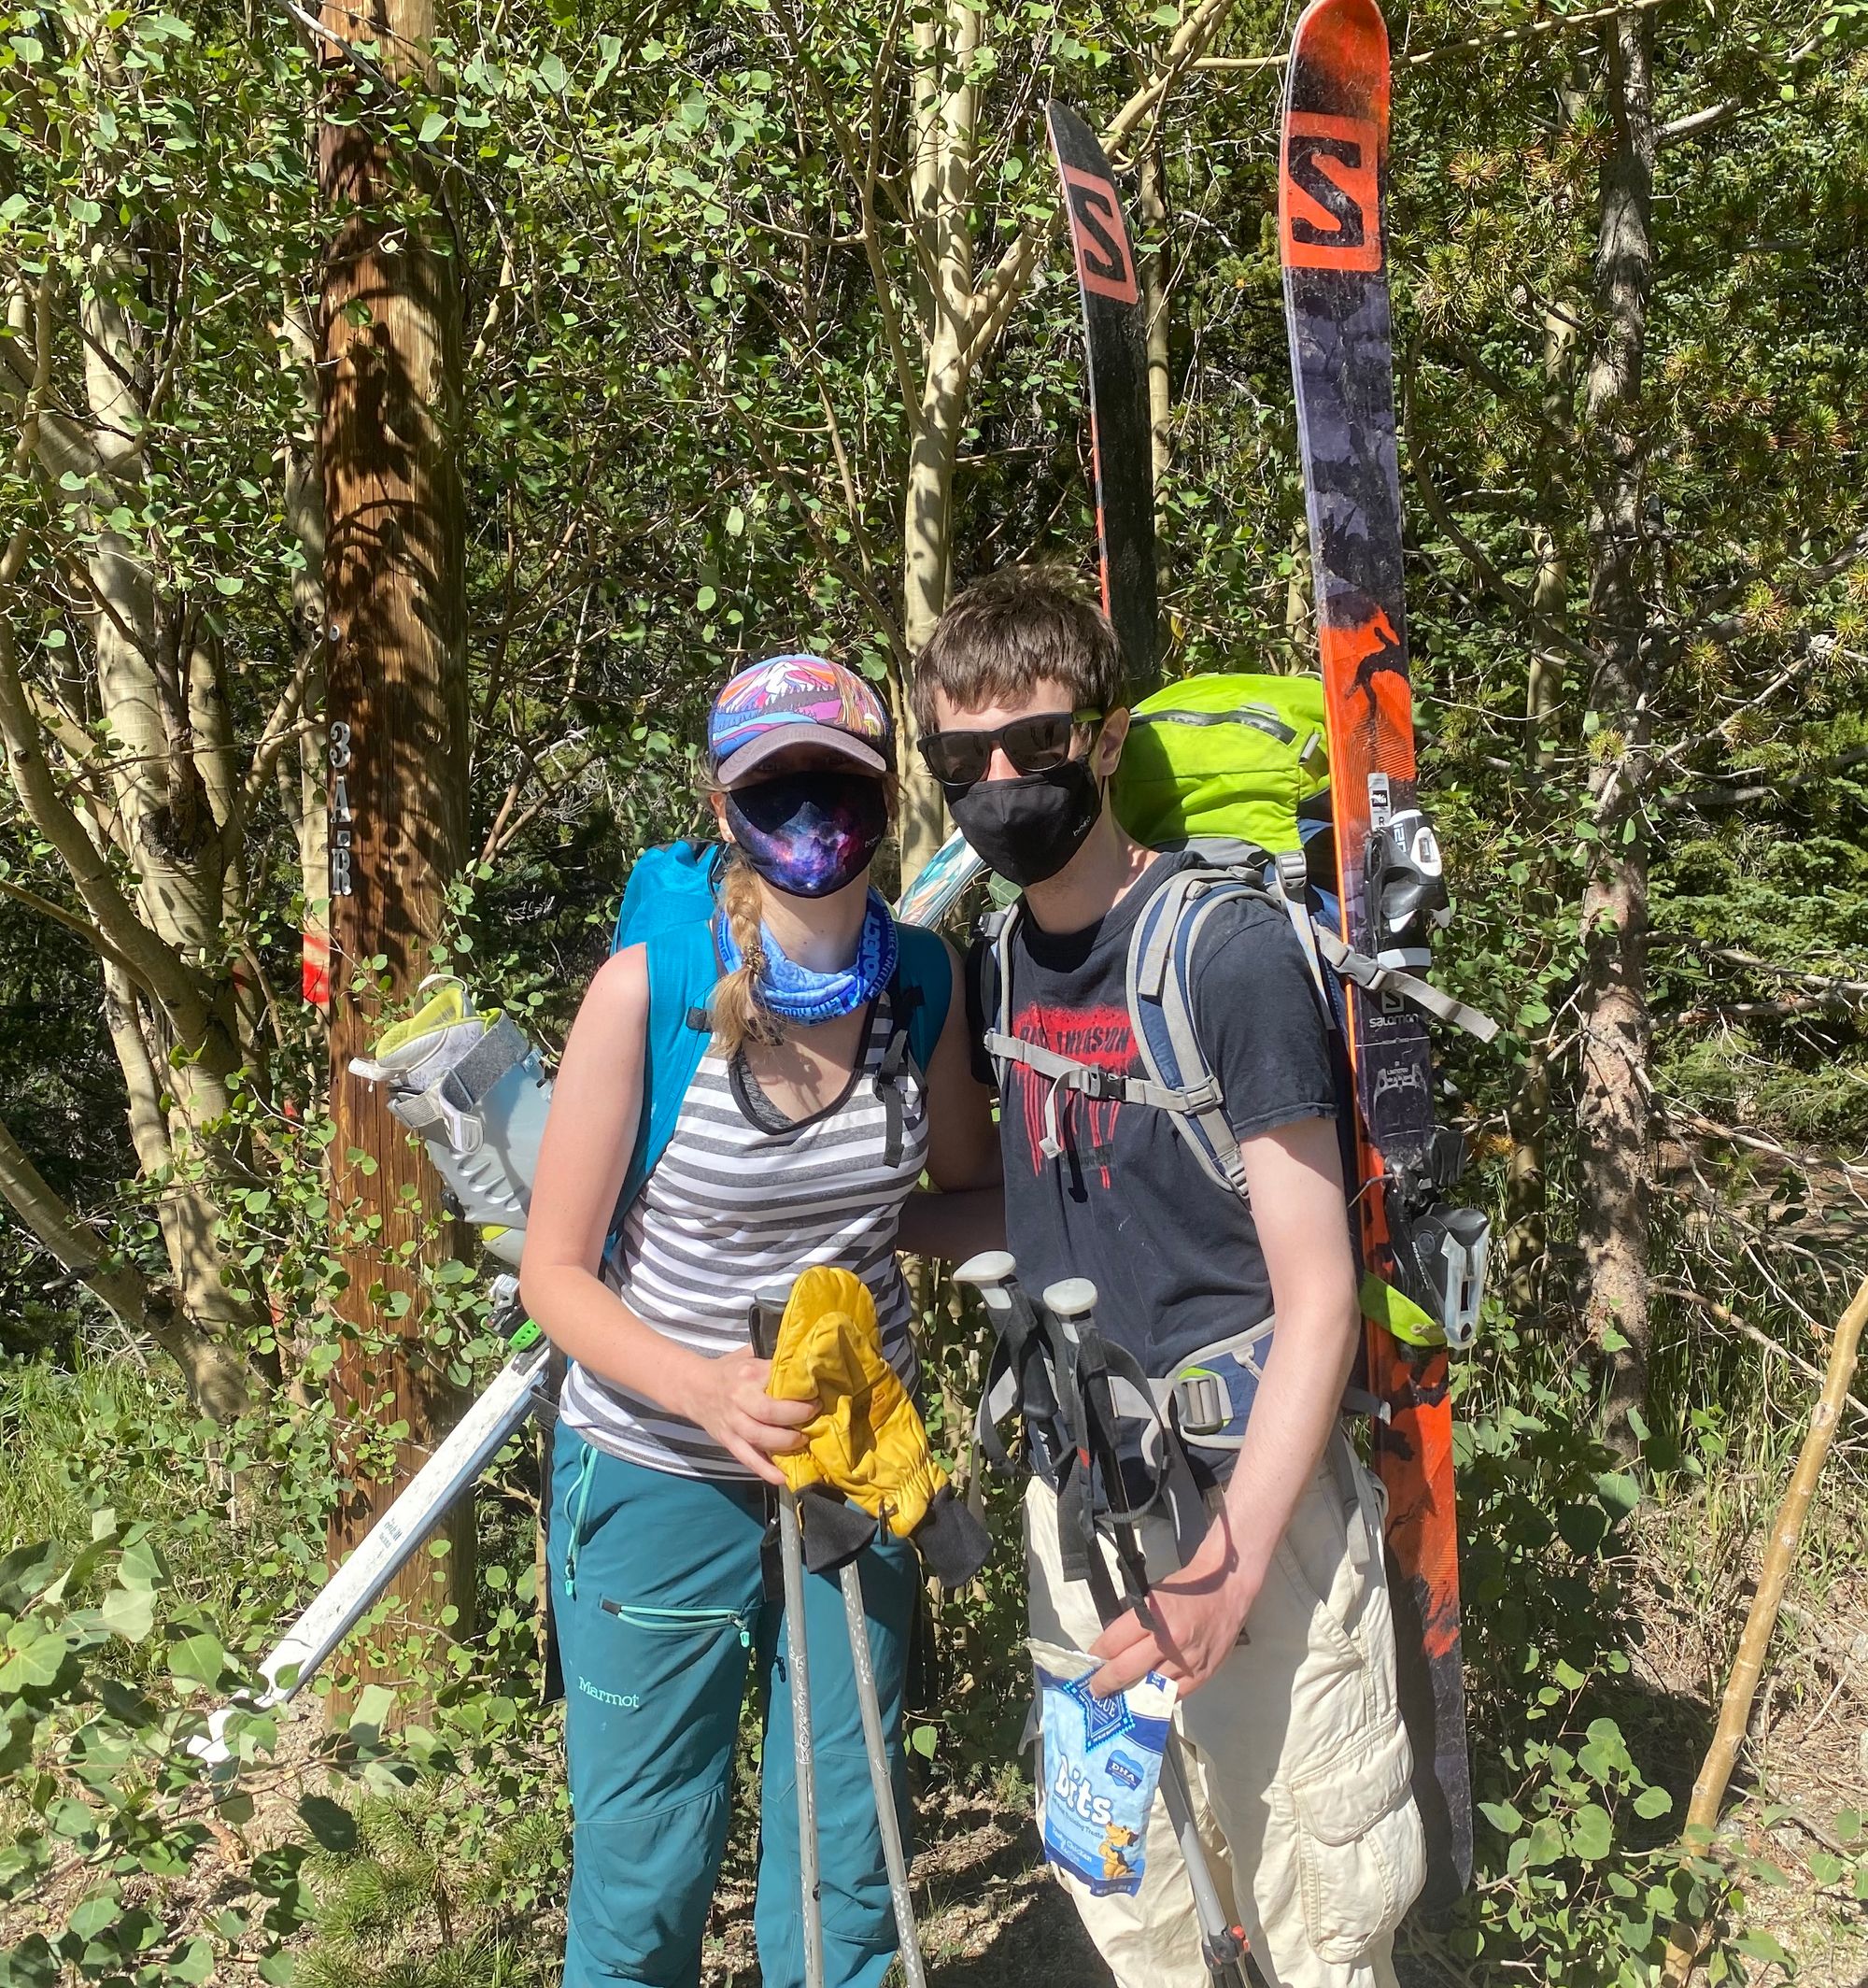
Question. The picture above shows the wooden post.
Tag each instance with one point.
(1735, 1710)
(396, 717)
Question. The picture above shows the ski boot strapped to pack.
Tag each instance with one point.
(477, 1091)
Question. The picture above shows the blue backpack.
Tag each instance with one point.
(668, 909)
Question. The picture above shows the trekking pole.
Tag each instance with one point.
(1072, 1302)
(881, 1780)
(768, 1308)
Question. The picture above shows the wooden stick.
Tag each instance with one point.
(1735, 1711)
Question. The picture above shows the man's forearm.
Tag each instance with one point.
(1298, 1403)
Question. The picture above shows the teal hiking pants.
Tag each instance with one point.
(659, 1606)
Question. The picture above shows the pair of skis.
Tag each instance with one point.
(1332, 176)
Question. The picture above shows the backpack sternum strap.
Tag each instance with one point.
(1067, 1074)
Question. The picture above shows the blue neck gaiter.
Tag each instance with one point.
(795, 993)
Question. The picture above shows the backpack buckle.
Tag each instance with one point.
(1293, 869)
(1202, 1404)
(1202, 1097)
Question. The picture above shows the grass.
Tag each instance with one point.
(457, 1882)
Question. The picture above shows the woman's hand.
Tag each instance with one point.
(727, 1397)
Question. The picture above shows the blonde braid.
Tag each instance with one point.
(737, 1013)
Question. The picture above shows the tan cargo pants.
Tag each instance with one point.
(1295, 1753)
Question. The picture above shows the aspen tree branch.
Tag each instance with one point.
(1726, 1315)
(155, 966)
(141, 1306)
(69, 919)
(1735, 1710)
(859, 580)
(1697, 123)
(862, 172)
(281, 728)
(1486, 44)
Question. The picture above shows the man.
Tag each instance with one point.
(1276, 1629)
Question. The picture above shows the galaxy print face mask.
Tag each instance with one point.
(808, 833)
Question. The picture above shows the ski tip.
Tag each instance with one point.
(1335, 141)
(1349, 31)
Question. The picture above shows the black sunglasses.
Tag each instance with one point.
(1034, 744)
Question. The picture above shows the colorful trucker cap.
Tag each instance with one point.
(794, 700)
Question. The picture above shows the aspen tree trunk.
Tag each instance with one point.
(396, 729)
(1614, 1111)
(1152, 202)
(946, 110)
(155, 789)
(1525, 1181)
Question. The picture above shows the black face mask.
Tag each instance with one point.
(1029, 828)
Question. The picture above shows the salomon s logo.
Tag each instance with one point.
(1329, 197)
(1104, 263)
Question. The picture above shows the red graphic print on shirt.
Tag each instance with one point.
(1101, 1037)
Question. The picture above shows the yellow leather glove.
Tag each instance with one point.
(866, 1440)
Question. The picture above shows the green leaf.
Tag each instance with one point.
(1502, 1817)
(197, 1660)
(129, 1612)
(39, 1655)
(227, 583)
(1592, 1833)
(194, 1963)
(432, 125)
(1755, 1944)
(374, 1703)
(1568, 1676)
(1651, 1802)
(331, 1823)
(140, 1566)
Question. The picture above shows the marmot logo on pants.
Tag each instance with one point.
(628, 1701)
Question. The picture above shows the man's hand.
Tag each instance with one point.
(1198, 1613)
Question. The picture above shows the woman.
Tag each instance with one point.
(799, 1139)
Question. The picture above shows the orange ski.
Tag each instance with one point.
(1332, 172)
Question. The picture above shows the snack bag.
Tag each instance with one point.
(1100, 1760)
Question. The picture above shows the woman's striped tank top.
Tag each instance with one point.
(741, 1199)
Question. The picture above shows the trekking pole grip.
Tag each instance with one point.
(991, 1273)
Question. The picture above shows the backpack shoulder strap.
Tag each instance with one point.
(684, 967)
(922, 991)
(1161, 958)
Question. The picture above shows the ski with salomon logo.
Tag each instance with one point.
(1115, 352)
(1115, 365)
(1423, 1260)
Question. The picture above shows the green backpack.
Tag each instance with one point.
(1233, 757)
